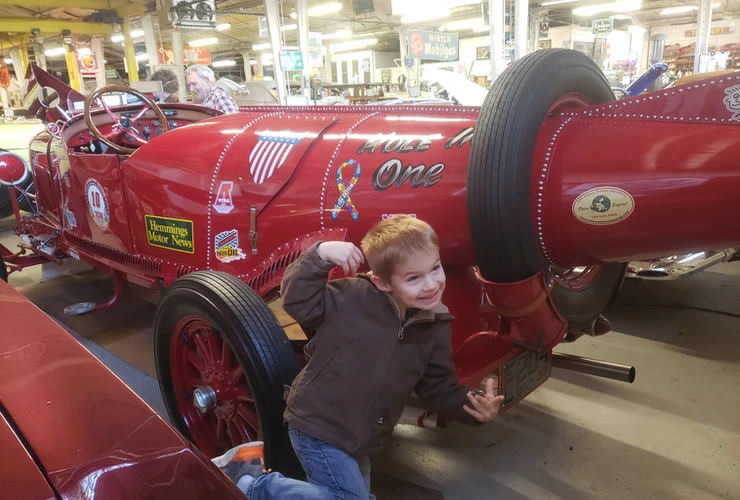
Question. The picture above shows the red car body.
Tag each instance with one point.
(70, 429)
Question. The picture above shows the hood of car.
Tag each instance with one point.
(22, 479)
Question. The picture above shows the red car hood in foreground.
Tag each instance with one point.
(69, 428)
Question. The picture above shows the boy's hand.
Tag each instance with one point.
(485, 407)
(343, 254)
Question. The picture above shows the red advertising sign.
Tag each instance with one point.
(190, 55)
(87, 63)
(4, 75)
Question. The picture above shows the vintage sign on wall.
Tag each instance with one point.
(202, 55)
(315, 48)
(715, 31)
(291, 60)
(432, 45)
(87, 63)
(602, 26)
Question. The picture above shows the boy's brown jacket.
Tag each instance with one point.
(364, 362)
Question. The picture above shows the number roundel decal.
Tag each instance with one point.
(97, 204)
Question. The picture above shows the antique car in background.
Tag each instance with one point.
(538, 205)
(69, 428)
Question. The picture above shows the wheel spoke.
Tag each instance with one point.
(237, 374)
(242, 427)
(226, 355)
(220, 429)
(234, 433)
(196, 382)
(215, 345)
(205, 351)
(196, 362)
(249, 416)
(242, 394)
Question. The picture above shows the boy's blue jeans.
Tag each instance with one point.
(331, 474)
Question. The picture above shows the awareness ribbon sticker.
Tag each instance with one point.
(344, 191)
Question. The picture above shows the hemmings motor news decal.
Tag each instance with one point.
(171, 234)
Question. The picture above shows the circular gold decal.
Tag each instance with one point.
(603, 205)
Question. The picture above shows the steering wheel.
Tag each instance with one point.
(121, 126)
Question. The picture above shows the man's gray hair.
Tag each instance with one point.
(201, 71)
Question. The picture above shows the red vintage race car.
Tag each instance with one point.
(69, 428)
(540, 198)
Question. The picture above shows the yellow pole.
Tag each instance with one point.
(130, 53)
(24, 56)
(74, 75)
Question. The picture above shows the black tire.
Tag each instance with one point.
(257, 340)
(500, 174)
(3, 270)
(6, 205)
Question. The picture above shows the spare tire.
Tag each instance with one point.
(500, 175)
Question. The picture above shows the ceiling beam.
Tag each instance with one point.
(60, 4)
(25, 25)
(16, 41)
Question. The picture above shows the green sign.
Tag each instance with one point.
(291, 60)
(172, 234)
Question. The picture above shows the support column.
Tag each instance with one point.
(302, 7)
(182, 92)
(521, 13)
(75, 80)
(40, 56)
(247, 67)
(19, 68)
(149, 40)
(703, 29)
(498, 32)
(128, 50)
(97, 48)
(4, 98)
(273, 25)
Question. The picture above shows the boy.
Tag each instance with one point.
(379, 337)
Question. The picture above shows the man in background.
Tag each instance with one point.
(202, 83)
(169, 85)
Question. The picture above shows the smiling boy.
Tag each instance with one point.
(379, 337)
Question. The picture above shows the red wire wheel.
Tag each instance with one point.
(222, 360)
(500, 179)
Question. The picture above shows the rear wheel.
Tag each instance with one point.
(222, 361)
(500, 177)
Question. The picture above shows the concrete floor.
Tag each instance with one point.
(674, 433)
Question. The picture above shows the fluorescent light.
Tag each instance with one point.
(224, 26)
(223, 64)
(481, 29)
(261, 46)
(8, 60)
(345, 33)
(621, 17)
(203, 41)
(421, 16)
(288, 27)
(465, 24)
(327, 8)
(105, 61)
(136, 33)
(59, 51)
(403, 7)
(293, 15)
(116, 38)
(593, 10)
(142, 57)
(682, 9)
(266, 59)
(253, 61)
(557, 2)
(352, 45)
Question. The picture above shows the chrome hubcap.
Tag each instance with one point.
(204, 398)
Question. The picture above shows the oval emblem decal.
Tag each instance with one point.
(603, 205)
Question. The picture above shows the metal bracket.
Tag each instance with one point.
(253, 234)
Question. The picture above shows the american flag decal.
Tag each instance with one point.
(269, 154)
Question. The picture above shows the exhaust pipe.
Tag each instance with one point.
(614, 371)
(678, 266)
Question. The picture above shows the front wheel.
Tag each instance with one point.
(222, 360)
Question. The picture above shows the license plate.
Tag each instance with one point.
(524, 373)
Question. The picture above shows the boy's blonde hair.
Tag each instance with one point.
(395, 238)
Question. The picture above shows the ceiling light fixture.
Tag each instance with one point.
(327, 8)
(293, 15)
(557, 2)
(59, 51)
(345, 33)
(203, 42)
(137, 33)
(593, 10)
(288, 27)
(223, 64)
(8, 60)
(683, 9)
(116, 38)
(465, 24)
(352, 45)
(261, 46)
(429, 15)
(481, 29)
(253, 61)
(223, 26)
